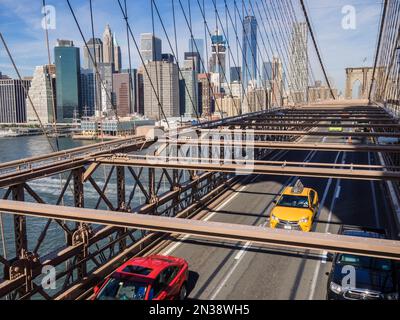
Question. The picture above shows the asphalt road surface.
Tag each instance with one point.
(226, 270)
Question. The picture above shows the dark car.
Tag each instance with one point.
(375, 278)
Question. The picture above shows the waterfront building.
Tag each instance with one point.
(88, 92)
(13, 95)
(42, 95)
(67, 61)
(106, 71)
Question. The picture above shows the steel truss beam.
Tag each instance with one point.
(379, 248)
(317, 170)
(231, 132)
(287, 146)
(314, 125)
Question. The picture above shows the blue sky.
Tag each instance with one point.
(20, 23)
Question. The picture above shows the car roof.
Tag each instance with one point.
(289, 191)
(364, 234)
(146, 268)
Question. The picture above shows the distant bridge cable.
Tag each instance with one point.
(316, 48)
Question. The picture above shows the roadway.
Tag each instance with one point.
(226, 270)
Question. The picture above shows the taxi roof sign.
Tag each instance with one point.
(298, 187)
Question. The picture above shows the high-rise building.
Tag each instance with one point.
(249, 65)
(88, 92)
(299, 63)
(134, 88)
(13, 95)
(197, 45)
(267, 73)
(140, 91)
(150, 47)
(235, 74)
(205, 96)
(165, 79)
(168, 57)
(108, 45)
(320, 92)
(194, 59)
(189, 89)
(277, 82)
(96, 51)
(117, 55)
(122, 91)
(42, 94)
(105, 85)
(218, 56)
(68, 67)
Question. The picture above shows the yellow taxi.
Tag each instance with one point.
(295, 208)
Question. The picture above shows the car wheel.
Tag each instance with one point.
(183, 292)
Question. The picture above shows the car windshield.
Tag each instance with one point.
(366, 262)
(123, 289)
(293, 201)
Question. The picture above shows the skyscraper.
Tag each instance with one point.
(13, 94)
(42, 94)
(205, 94)
(189, 89)
(249, 66)
(194, 58)
(88, 95)
(105, 84)
(108, 45)
(267, 74)
(277, 82)
(299, 63)
(117, 55)
(218, 55)
(150, 47)
(122, 92)
(68, 67)
(95, 46)
(165, 79)
(197, 45)
(134, 87)
(236, 74)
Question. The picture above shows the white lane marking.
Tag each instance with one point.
(239, 256)
(374, 202)
(324, 257)
(318, 266)
(173, 247)
(241, 252)
(247, 245)
(338, 192)
(213, 213)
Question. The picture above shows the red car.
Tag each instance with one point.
(150, 278)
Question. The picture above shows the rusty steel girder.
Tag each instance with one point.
(380, 248)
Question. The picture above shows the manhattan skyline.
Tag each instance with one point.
(27, 41)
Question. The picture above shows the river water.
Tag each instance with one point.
(49, 189)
